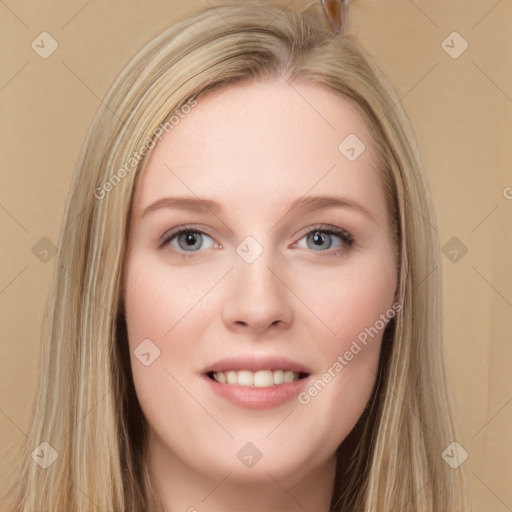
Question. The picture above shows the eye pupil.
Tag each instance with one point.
(192, 240)
(319, 238)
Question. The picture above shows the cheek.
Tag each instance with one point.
(166, 310)
(156, 310)
(356, 305)
(350, 300)
(158, 299)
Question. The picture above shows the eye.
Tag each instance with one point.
(323, 238)
(189, 240)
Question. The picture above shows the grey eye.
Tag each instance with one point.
(190, 240)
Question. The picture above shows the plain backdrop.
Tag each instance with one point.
(460, 106)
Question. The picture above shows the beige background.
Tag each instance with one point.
(460, 110)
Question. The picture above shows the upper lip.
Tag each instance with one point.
(256, 362)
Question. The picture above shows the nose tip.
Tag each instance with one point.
(257, 299)
(257, 326)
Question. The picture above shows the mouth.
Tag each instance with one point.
(258, 379)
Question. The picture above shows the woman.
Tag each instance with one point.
(200, 352)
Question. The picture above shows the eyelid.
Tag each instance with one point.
(197, 228)
(329, 228)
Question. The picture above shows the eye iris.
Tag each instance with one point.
(319, 237)
(192, 240)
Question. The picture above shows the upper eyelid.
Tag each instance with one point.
(180, 229)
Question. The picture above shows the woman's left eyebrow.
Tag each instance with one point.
(308, 204)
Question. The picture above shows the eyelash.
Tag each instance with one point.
(345, 236)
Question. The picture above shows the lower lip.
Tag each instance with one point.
(255, 397)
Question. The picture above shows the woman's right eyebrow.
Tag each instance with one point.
(305, 204)
(191, 204)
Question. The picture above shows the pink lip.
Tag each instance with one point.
(255, 397)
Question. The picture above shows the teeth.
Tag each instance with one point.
(259, 379)
(245, 378)
(221, 377)
(263, 379)
(278, 376)
(288, 376)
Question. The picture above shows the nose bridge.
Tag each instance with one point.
(257, 296)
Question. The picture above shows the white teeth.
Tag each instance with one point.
(278, 376)
(221, 377)
(263, 379)
(245, 378)
(288, 376)
(260, 379)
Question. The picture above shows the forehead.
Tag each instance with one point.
(264, 144)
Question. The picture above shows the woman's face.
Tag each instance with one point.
(255, 333)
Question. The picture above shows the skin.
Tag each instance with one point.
(254, 148)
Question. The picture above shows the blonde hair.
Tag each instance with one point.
(86, 407)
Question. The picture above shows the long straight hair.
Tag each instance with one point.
(86, 407)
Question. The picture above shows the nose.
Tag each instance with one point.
(257, 298)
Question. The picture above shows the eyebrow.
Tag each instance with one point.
(305, 204)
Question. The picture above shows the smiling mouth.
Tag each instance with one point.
(260, 378)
